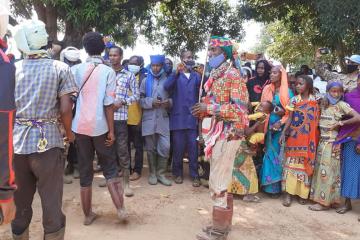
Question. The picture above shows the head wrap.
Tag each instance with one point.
(157, 59)
(224, 43)
(30, 36)
(333, 84)
(154, 59)
(70, 53)
(4, 17)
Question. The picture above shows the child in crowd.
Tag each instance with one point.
(325, 186)
(300, 150)
(256, 131)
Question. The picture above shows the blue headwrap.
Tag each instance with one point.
(331, 99)
(154, 59)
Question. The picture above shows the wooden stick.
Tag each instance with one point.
(203, 74)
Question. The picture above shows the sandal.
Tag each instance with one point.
(344, 209)
(302, 201)
(318, 207)
(251, 198)
(287, 200)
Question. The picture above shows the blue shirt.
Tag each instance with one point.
(184, 93)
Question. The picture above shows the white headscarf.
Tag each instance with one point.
(30, 36)
(70, 53)
(4, 16)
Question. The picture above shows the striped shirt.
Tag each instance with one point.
(99, 91)
(126, 90)
(39, 85)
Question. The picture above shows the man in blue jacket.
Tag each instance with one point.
(183, 85)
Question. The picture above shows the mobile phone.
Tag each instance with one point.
(324, 51)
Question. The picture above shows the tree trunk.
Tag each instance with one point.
(48, 14)
(340, 52)
(73, 36)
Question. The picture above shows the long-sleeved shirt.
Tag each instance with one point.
(126, 90)
(7, 109)
(184, 92)
(154, 120)
(349, 80)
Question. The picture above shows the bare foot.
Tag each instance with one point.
(90, 219)
(318, 207)
(344, 209)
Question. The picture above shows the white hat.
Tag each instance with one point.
(30, 36)
(70, 53)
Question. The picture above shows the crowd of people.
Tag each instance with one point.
(247, 130)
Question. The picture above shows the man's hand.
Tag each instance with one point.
(8, 211)
(119, 104)
(199, 109)
(166, 103)
(70, 137)
(156, 103)
(110, 139)
(180, 68)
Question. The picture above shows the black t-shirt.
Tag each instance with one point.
(255, 86)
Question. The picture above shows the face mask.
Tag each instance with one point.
(134, 68)
(215, 62)
(159, 74)
(351, 68)
(189, 64)
(332, 100)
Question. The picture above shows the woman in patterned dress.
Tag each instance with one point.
(325, 187)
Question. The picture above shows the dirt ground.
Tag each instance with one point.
(179, 212)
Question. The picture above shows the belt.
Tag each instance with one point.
(38, 123)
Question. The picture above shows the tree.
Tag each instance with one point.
(171, 23)
(334, 23)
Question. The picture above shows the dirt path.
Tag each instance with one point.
(179, 212)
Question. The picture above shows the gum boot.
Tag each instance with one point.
(152, 168)
(59, 235)
(161, 170)
(23, 236)
(128, 191)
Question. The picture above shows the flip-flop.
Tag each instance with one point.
(254, 199)
(343, 209)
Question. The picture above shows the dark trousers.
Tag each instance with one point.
(86, 147)
(185, 140)
(43, 171)
(135, 137)
(121, 144)
(71, 157)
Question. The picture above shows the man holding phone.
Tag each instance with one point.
(155, 102)
(184, 87)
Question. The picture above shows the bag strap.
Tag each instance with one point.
(87, 78)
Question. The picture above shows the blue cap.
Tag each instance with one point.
(354, 58)
(109, 45)
(157, 59)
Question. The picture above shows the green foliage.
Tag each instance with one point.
(171, 23)
(333, 23)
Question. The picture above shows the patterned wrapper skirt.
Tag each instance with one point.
(325, 186)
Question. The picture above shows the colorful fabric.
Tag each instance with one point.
(99, 91)
(301, 146)
(125, 82)
(224, 43)
(39, 85)
(227, 99)
(303, 133)
(257, 138)
(325, 186)
(244, 177)
(30, 36)
(269, 93)
(350, 171)
(271, 172)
